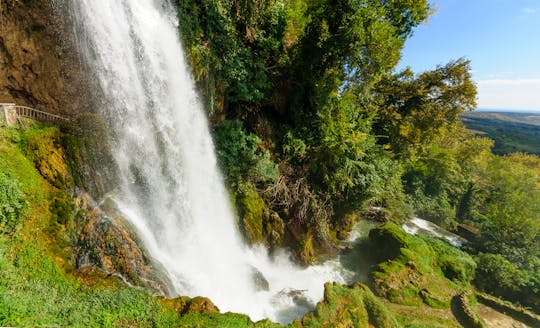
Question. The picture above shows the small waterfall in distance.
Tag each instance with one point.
(170, 187)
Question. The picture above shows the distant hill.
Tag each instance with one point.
(512, 131)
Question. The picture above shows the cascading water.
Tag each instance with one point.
(170, 187)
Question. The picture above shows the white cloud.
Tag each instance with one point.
(509, 94)
(531, 11)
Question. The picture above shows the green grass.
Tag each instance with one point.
(34, 292)
(35, 287)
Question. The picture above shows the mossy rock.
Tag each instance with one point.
(353, 306)
(43, 148)
(108, 243)
(273, 228)
(307, 253)
(251, 207)
(89, 158)
(198, 305)
(413, 270)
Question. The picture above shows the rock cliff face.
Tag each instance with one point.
(38, 66)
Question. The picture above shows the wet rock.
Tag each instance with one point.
(273, 228)
(38, 62)
(259, 280)
(377, 214)
(199, 305)
(107, 243)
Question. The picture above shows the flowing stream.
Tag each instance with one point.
(417, 226)
(170, 187)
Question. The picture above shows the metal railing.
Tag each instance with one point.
(32, 113)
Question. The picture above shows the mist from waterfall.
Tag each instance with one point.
(170, 187)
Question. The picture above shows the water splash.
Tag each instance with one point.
(169, 185)
(419, 226)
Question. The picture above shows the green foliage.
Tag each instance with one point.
(307, 67)
(512, 211)
(233, 46)
(498, 276)
(416, 110)
(12, 203)
(349, 43)
(348, 162)
(241, 155)
(495, 274)
(433, 184)
(294, 149)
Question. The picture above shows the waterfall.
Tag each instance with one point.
(169, 186)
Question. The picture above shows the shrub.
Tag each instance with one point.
(498, 276)
(241, 156)
(12, 203)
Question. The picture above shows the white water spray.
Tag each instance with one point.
(170, 187)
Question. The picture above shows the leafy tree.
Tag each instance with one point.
(417, 110)
(512, 211)
(348, 163)
(495, 274)
(235, 48)
(349, 44)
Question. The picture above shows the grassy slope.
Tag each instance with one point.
(512, 132)
(35, 288)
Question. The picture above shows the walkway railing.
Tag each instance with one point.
(14, 113)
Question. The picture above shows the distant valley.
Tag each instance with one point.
(512, 131)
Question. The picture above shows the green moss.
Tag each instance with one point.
(307, 252)
(353, 306)
(87, 156)
(42, 147)
(251, 207)
(415, 270)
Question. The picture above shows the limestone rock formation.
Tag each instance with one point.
(38, 67)
(107, 242)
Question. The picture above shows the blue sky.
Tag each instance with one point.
(500, 37)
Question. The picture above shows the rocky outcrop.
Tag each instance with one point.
(377, 214)
(38, 67)
(348, 306)
(464, 312)
(413, 270)
(107, 243)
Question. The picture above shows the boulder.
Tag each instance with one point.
(108, 243)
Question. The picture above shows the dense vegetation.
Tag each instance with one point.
(313, 127)
(512, 132)
(310, 115)
(40, 285)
